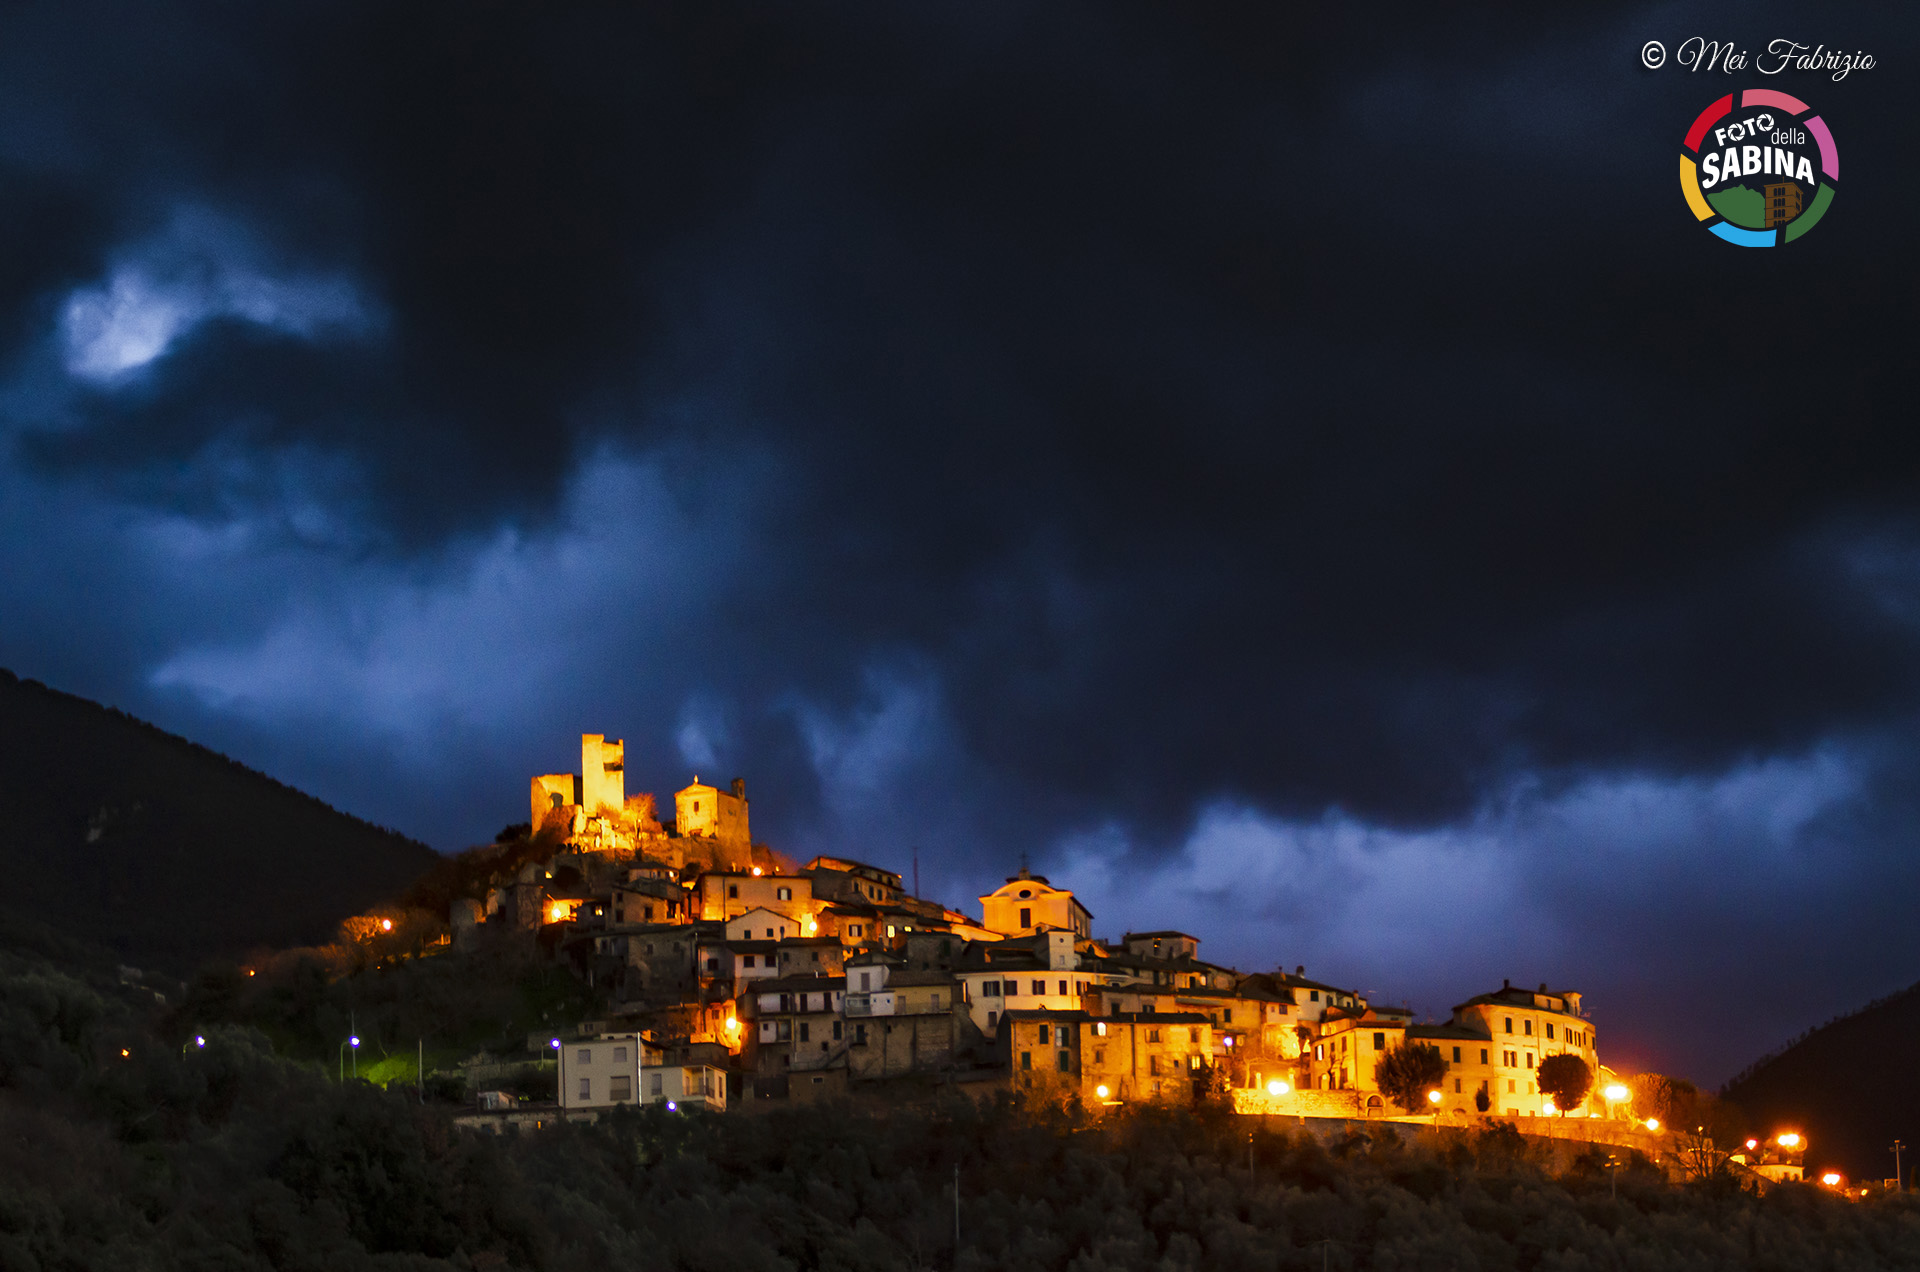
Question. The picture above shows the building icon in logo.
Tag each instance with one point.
(1782, 203)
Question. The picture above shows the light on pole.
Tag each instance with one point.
(1896, 1146)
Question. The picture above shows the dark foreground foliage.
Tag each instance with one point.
(231, 1156)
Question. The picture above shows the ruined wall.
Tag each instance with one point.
(900, 1045)
(603, 776)
(553, 795)
(659, 967)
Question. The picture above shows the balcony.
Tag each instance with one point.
(858, 1004)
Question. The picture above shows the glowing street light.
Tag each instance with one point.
(1102, 1091)
(199, 1040)
(1831, 1179)
(1788, 1139)
(1277, 1087)
(1753, 1143)
(1433, 1097)
(1616, 1092)
(386, 925)
(556, 1044)
(1653, 1123)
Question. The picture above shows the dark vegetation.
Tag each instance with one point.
(125, 1144)
(1849, 1086)
(409, 1013)
(172, 853)
(1407, 1072)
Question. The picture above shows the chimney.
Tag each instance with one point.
(1300, 969)
(1505, 984)
(740, 788)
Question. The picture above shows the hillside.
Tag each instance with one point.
(164, 851)
(1852, 1085)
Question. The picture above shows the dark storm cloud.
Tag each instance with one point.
(999, 428)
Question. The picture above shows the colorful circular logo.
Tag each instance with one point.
(1760, 175)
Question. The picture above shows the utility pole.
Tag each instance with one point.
(956, 1214)
(1898, 1186)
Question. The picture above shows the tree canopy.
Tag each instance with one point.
(1565, 1079)
(1408, 1071)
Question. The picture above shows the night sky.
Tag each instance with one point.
(1297, 474)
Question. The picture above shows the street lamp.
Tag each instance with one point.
(1788, 1139)
(353, 1041)
(1895, 1148)
(1277, 1087)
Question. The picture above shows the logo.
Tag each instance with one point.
(1760, 175)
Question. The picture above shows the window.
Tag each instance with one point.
(1313, 995)
(1061, 1036)
(1193, 1062)
(1229, 1015)
(713, 964)
(1153, 1035)
(1063, 989)
(783, 894)
(1153, 1064)
(1456, 1086)
(1064, 1061)
(733, 892)
(1026, 918)
(1040, 989)
(805, 1032)
(1510, 1087)
(836, 1031)
(1483, 1055)
(1193, 1035)
(1099, 1055)
(993, 1018)
(1100, 1028)
(990, 989)
(860, 1035)
(619, 1055)
(620, 1087)
(747, 961)
(1529, 1059)
(1320, 1051)
(783, 1031)
(1046, 1035)
(646, 913)
(585, 1057)
(1456, 1055)
(770, 933)
(1026, 1059)
(1509, 1024)
(864, 979)
(586, 1088)
(1527, 1027)
(1549, 1029)
(1379, 1042)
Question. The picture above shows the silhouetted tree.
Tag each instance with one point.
(1565, 1079)
(1407, 1072)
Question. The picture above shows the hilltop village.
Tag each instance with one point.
(733, 975)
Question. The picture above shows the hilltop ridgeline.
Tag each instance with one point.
(165, 851)
(1847, 1085)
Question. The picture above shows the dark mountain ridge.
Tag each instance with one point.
(1852, 1086)
(168, 852)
